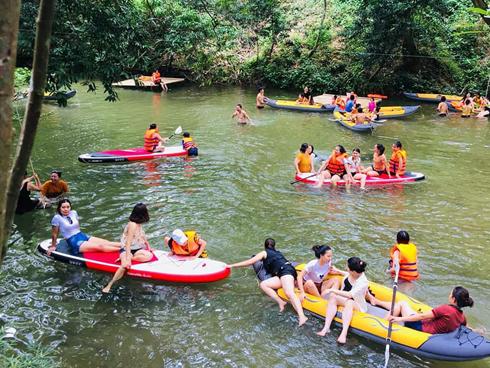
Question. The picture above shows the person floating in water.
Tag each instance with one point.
(153, 140)
(241, 115)
(53, 189)
(25, 203)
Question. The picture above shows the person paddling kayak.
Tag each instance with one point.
(153, 140)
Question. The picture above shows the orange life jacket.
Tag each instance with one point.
(395, 162)
(340, 103)
(334, 166)
(155, 77)
(192, 247)
(188, 143)
(150, 141)
(408, 261)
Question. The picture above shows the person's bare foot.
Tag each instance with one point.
(342, 339)
(106, 290)
(302, 321)
(323, 332)
(282, 304)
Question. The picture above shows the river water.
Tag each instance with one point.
(237, 193)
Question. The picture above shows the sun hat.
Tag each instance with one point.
(179, 236)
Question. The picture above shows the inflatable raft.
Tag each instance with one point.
(371, 180)
(59, 95)
(459, 345)
(163, 267)
(343, 118)
(430, 97)
(130, 154)
(293, 105)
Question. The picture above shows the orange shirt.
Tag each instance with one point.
(53, 190)
(304, 163)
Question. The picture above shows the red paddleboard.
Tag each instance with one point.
(162, 267)
(371, 180)
(130, 154)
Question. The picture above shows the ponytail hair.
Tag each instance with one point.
(356, 264)
(270, 244)
(462, 297)
(320, 250)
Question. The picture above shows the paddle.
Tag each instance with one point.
(177, 132)
(390, 325)
(302, 179)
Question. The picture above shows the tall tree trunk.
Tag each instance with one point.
(482, 5)
(31, 118)
(313, 50)
(9, 28)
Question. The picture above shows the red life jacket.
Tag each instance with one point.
(334, 166)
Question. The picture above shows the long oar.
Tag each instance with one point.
(302, 179)
(390, 325)
(177, 132)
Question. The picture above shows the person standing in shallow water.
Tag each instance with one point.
(283, 276)
(241, 115)
(260, 99)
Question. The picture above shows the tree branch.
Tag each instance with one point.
(482, 5)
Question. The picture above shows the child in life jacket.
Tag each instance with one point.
(186, 243)
(405, 254)
(189, 145)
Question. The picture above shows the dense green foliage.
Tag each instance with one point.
(21, 77)
(367, 45)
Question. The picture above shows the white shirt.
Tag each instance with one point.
(316, 272)
(358, 291)
(68, 225)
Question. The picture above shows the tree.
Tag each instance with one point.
(13, 169)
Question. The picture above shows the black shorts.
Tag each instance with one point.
(417, 325)
(133, 251)
(192, 151)
(287, 269)
(260, 107)
(339, 175)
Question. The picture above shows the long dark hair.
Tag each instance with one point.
(139, 214)
(64, 200)
(320, 250)
(356, 264)
(462, 297)
(381, 148)
(270, 244)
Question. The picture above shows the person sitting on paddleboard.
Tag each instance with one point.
(313, 278)
(333, 167)
(134, 245)
(153, 140)
(66, 222)
(442, 107)
(354, 168)
(260, 99)
(398, 160)
(55, 187)
(305, 97)
(380, 164)
(304, 159)
(283, 276)
(442, 319)
(189, 145)
(188, 243)
(352, 297)
(404, 254)
(241, 115)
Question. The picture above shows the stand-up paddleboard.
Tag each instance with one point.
(130, 154)
(163, 267)
(370, 180)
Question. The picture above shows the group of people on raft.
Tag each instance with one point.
(477, 105)
(340, 166)
(350, 288)
(133, 246)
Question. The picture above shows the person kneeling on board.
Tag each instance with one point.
(189, 145)
(186, 243)
(134, 244)
(153, 140)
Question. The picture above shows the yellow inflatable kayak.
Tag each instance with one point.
(462, 344)
(296, 106)
(431, 97)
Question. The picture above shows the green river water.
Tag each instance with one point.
(237, 193)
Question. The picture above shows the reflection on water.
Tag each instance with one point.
(236, 193)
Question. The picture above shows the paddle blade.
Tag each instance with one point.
(387, 355)
(178, 130)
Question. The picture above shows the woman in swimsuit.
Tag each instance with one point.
(380, 164)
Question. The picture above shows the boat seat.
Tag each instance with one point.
(379, 312)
